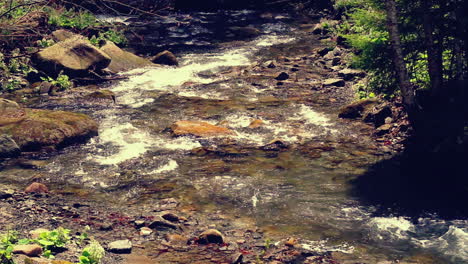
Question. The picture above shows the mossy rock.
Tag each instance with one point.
(357, 109)
(42, 128)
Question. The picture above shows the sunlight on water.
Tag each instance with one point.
(170, 166)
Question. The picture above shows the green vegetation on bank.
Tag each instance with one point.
(51, 242)
(25, 27)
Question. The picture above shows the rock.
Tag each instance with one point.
(41, 128)
(62, 34)
(356, 109)
(101, 95)
(146, 231)
(45, 87)
(36, 187)
(199, 128)
(37, 232)
(324, 51)
(28, 250)
(10, 112)
(8, 147)
(211, 236)
(139, 223)
(377, 114)
(106, 227)
(318, 29)
(120, 247)
(334, 82)
(256, 123)
(176, 239)
(384, 129)
(349, 74)
(165, 58)
(388, 120)
(74, 56)
(6, 193)
(269, 64)
(171, 217)
(244, 32)
(291, 242)
(162, 224)
(122, 60)
(282, 76)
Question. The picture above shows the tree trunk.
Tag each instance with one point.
(406, 88)
(434, 50)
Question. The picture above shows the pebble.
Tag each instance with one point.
(120, 246)
(146, 231)
(5, 194)
(162, 224)
(171, 217)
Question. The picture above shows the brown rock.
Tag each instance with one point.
(291, 242)
(171, 217)
(36, 232)
(357, 109)
(41, 128)
(28, 250)
(62, 34)
(245, 32)
(211, 236)
(122, 60)
(199, 128)
(101, 95)
(282, 76)
(256, 123)
(75, 56)
(10, 112)
(334, 82)
(176, 238)
(166, 58)
(36, 187)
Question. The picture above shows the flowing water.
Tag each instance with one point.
(301, 189)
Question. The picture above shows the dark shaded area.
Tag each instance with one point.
(250, 4)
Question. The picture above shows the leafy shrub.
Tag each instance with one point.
(62, 82)
(115, 36)
(92, 254)
(71, 18)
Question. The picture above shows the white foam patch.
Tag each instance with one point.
(312, 117)
(236, 121)
(129, 142)
(179, 143)
(169, 79)
(323, 246)
(170, 166)
(389, 228)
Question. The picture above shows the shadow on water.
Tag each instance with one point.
(416, 183)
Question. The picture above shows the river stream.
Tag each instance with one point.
(289, 176)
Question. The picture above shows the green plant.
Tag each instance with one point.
(51, 240)
(92, 254)
(71, 18)
(115, 36)
(62, 82)
(6, 246)
(44, 43)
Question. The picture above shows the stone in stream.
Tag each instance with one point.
(378, 114)
(160, 223)
(74, 56)
(359, 108)
(8, 147)
(171, 217)
(33, 129)
(334, 82)
(33, 250)
(165, 58)
(101, 95)
(349, 74)
(6, 193)
(199, 128)
(211, 236)
(282, 76)
(244, 32)
(36, 187)
(120, 247)
(122, 60)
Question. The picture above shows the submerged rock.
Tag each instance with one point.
(75, 56)
(282, 76)
(199, 128)
(40, 128)
(101, 95)
(334, 82)
(244, 32)
(165, 58)
(211, 236)
(122, 60)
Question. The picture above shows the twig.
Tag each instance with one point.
(11, 9)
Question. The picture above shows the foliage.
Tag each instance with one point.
(44, 43)
(70, 18)
(51, 240)
(6, 246)
(115, 36)
(62, 82)
(92, 254)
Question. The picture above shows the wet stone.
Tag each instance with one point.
(211, 236)
(28, 250)
(120, 246)
(36, 188)
(282, 76)
(6, 193)
(162, 224)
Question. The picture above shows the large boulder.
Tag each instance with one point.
(41, 128)
(75, 56)
(122, 60)
(199, 128)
